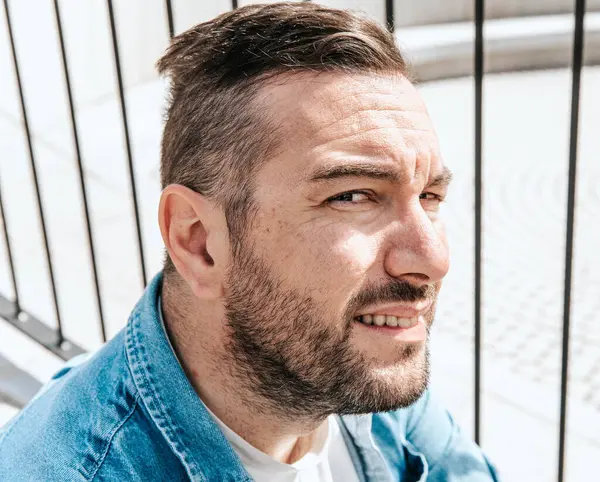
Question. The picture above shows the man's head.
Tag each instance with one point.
(302, 182)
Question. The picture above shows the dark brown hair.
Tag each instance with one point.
(215, 136)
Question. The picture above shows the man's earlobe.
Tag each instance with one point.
(187, 219)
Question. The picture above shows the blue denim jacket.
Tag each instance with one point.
(128, 413)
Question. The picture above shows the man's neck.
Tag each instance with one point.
(199, 340)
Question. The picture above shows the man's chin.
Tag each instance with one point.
(393, 355)
(391, 386)
(389, 399)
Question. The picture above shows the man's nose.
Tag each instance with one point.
(418, 249)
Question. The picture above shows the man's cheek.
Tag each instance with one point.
(358, 252)
(339, 266)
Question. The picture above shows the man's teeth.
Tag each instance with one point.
(388, 320)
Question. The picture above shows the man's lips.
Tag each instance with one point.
(417, 332)
(404, 310)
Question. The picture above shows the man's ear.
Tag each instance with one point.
(193, 229)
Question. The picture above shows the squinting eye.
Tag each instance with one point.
(429, 196)
(352, 197)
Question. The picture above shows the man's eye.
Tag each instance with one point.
(351, 197)
(430, 196)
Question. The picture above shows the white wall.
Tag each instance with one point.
(425, 12)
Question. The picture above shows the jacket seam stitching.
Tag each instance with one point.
(112, 436)
(137, 350)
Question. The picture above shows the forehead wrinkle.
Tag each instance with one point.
(404, 153)
(394, 134)
(356, 120)
(340, 101)
(365, 100)
(382, 151)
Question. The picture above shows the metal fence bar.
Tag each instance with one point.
(36, 183)
(82, 183)
(574, 135)
(38, 331)
(170, 21)
(9, 254)
(234, 4)
(117, 60)
(389, 15)
(479, 18)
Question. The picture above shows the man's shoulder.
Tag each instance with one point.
(86, 422)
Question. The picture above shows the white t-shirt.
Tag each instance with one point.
(332, 463)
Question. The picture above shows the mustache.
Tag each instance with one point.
(393, 291)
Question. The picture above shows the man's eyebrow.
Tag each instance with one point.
(385, 173)
(328, 173)
(442, 179)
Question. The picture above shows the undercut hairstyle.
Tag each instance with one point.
(217, 135)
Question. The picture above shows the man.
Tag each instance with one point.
(286, 339)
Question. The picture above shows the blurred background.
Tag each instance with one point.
(80, 125)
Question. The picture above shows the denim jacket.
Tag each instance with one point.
(128, 413)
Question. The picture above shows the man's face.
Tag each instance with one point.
(347, 235)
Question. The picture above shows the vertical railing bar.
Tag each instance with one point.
(117, 59)
(82, 183)
(170, 21)
(389, 15)
(574, 133)
(479, 18)
(9, 253)
(34, 171)
(234, 4)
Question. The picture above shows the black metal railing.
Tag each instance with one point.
(82, 183)
(12, 311)
(478, 75)
(124, 118)
(53, 341)
(573, 142)
(170, 21)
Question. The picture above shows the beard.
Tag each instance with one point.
(293, 359)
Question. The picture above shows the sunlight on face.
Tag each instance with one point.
(347, 234)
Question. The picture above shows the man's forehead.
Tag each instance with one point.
(372, 113)
(316, 102)
(332, 118)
